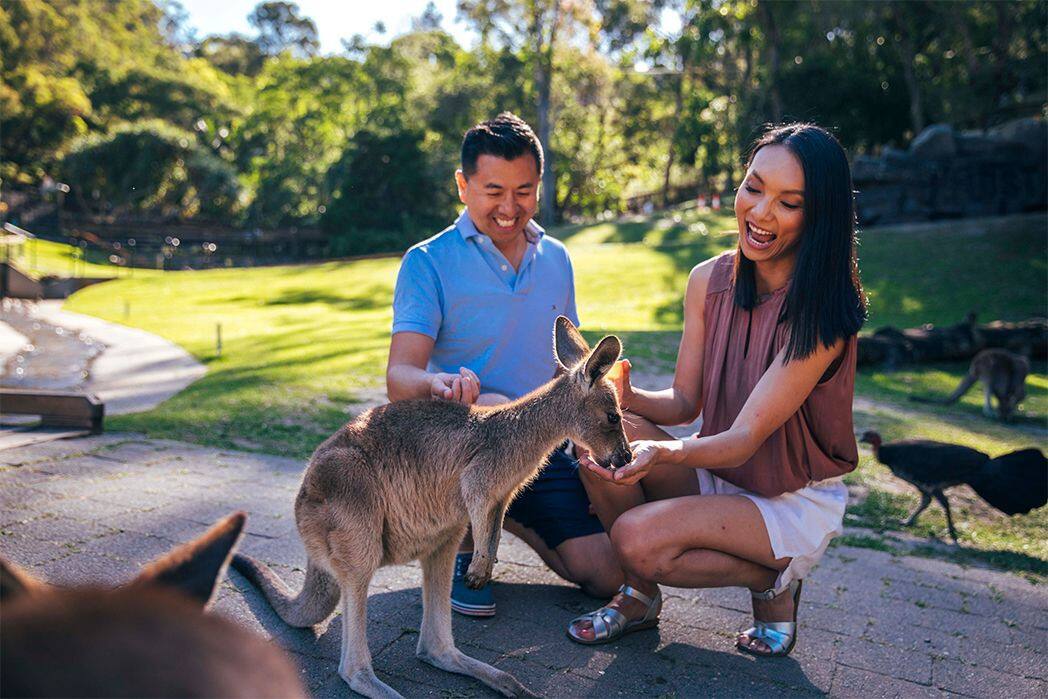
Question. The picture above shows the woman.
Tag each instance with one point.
(768, 356)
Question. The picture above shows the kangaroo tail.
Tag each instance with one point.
(966, 383)
(313, 604)
(1014, 483)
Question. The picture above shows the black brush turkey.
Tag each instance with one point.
(1014, 483)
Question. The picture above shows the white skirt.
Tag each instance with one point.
(800, 524)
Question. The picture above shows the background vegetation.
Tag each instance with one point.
(137, 115)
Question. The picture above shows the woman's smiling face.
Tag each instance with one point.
(769, 206)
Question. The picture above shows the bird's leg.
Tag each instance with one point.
(926, 500)
(941, 497)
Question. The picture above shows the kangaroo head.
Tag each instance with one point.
(594, 417)
(149, 637)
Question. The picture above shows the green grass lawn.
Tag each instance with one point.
(41, 258)
(301, 342)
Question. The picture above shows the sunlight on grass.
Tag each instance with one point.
(41, 258)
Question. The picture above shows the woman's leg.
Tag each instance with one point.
(611, 500)
(696, 541)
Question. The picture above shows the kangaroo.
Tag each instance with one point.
(148, 638)
(1003, 376)
(402, 481)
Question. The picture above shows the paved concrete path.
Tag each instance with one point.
(872, 624)
(137, 371)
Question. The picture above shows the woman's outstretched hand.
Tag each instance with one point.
(646, 455)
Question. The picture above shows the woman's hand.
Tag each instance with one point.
(619, 375)
(646, 455)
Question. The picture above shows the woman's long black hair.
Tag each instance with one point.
(825, 300)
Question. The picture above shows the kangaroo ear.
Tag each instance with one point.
(602, 358)
(568, 345)
(195, 568)
(15, 582)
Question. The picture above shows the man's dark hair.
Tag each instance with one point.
(825, 300)
(507, 136)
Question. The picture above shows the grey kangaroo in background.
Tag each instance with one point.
(402, 481)
(1003, 376)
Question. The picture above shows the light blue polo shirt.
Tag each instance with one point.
(457, 288)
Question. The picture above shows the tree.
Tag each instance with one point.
(429, 20)
(384, 192)
(281, 28)
(234, 54)
(534, 29)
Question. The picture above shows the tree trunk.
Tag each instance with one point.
(908, 54)
(548, 203)
(678, 107)
(774, 44)
(545, 31)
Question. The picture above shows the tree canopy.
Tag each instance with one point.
(123, 102)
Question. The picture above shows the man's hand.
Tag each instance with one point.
(463, 387)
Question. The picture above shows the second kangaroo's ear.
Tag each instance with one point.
(15, 582)
(568, 345)
(602, 358)
(195, 568)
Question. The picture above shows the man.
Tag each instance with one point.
(473, 315)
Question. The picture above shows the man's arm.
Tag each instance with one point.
(406, 375)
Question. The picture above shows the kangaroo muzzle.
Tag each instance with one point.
(620, 457)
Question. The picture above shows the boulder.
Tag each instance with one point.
(935, 143)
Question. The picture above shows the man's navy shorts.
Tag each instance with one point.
(555, 505)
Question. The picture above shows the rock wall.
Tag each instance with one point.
(950, 174)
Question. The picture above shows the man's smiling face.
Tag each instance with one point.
(502, 195)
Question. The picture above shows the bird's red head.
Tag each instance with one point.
(872, 438)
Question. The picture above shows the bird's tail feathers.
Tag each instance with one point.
(1014, 483)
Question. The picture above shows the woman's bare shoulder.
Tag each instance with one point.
(699, 278)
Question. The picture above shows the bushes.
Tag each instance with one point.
(386, 194)
(152, 166)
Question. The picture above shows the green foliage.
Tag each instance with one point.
(151, 165)
(629, 108)
(385, 195)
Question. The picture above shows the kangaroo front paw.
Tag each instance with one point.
(479, 572)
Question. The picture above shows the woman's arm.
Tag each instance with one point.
(778, 395)
(682, 402)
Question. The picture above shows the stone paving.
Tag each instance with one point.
(872, 624)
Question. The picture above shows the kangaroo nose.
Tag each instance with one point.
(622, 457)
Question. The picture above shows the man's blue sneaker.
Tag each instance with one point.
(464, 600)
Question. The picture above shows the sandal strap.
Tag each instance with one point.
(777, 636)
(773, 593)
(607, 623)
(639, 596)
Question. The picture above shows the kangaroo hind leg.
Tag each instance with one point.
(435, 644)
(355, 665)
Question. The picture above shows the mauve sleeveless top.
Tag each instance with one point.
(816, 442)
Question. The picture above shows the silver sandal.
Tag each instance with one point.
(779, 636)
(610, 624)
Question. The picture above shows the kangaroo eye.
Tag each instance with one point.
(614, 418)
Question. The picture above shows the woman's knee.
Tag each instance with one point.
(631, 537)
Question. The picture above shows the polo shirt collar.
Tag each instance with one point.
(467, 229)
